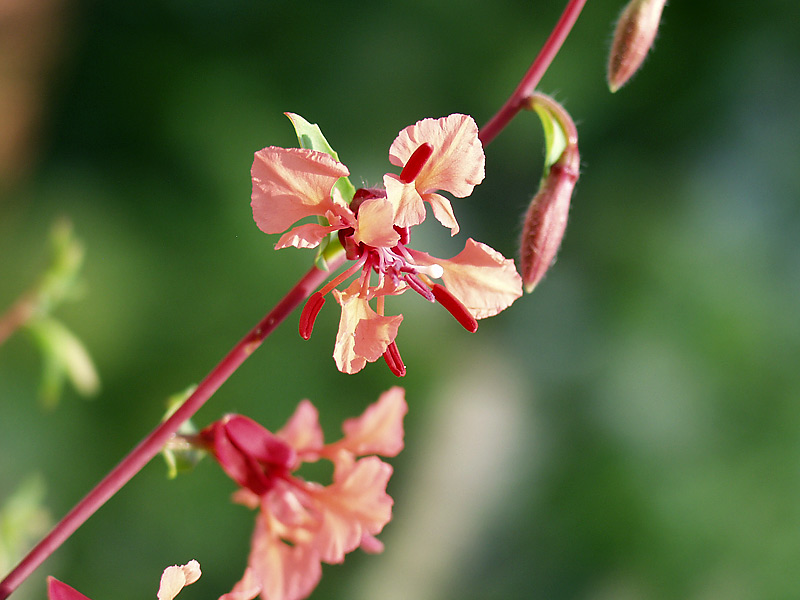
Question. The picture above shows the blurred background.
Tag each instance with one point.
(629, 431)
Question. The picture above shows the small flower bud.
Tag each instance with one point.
(633, 37)
(546, 219)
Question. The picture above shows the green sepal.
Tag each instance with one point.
(555, 138)
(179, 453)
(309, 135)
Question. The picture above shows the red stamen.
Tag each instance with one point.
(309, 315)
(415, 163)
(455, 308)
(392, 358)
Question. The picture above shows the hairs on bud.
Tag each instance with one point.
(633, 37)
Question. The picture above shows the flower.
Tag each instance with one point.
(293, 184)
(633, 37)
(173, 580)
(301, 524)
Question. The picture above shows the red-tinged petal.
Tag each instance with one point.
(370, 544)
(457, 162)
(290, 184)
(302, 431)
(250, 454)
(443, 211)
(363, 334)
(56, 590)
(409, 209)
(308, 235)
(281, 571)
(375, 225)
(479, 277)
(354, 504)
(379, 430)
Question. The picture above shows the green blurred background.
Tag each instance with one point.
(631, 430)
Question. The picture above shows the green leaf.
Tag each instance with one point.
(64, 356)
(309, 135)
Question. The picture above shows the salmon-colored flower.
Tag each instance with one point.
(290, 185)
(301, 524)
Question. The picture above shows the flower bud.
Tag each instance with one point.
(633, 37)
(546, 219)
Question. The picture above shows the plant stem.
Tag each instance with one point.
(152, 444)
(535, 73)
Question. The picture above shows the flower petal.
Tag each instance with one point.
(409, 209)
(479, 276)
(280, 571)
(249, 453)
(443, 211)
(175, 578)
(457, 162)
(375, 226)
(308, 235)
(379, 430)
(290, 184)
(57, 590)
(363, 334)
(302, 432)
(354, 504)
(247, 588)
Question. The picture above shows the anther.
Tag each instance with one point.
(309, 315)
(455, 308)
(415, 163)
(393, 360)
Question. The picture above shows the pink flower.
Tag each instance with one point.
(173, 580)
(291, 185)
(301, 524)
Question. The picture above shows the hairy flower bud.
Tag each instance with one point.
(546, 218)
(633, 37)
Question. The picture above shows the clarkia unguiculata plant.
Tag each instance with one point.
(364, 257)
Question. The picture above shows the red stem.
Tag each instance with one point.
(535, 73)
(153, 443)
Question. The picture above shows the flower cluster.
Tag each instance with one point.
(435, 155)
(301, 524)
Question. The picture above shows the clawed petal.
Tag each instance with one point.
(457, 162)
(375, 226)
(175, 578)
(443, 211)
(409, 209)
(363, 334)
(354, 504)
(290, 184)
(379, 430)
(308, 235)
(247, 588)
(278, 570)
(302, 432)
(479, 276)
